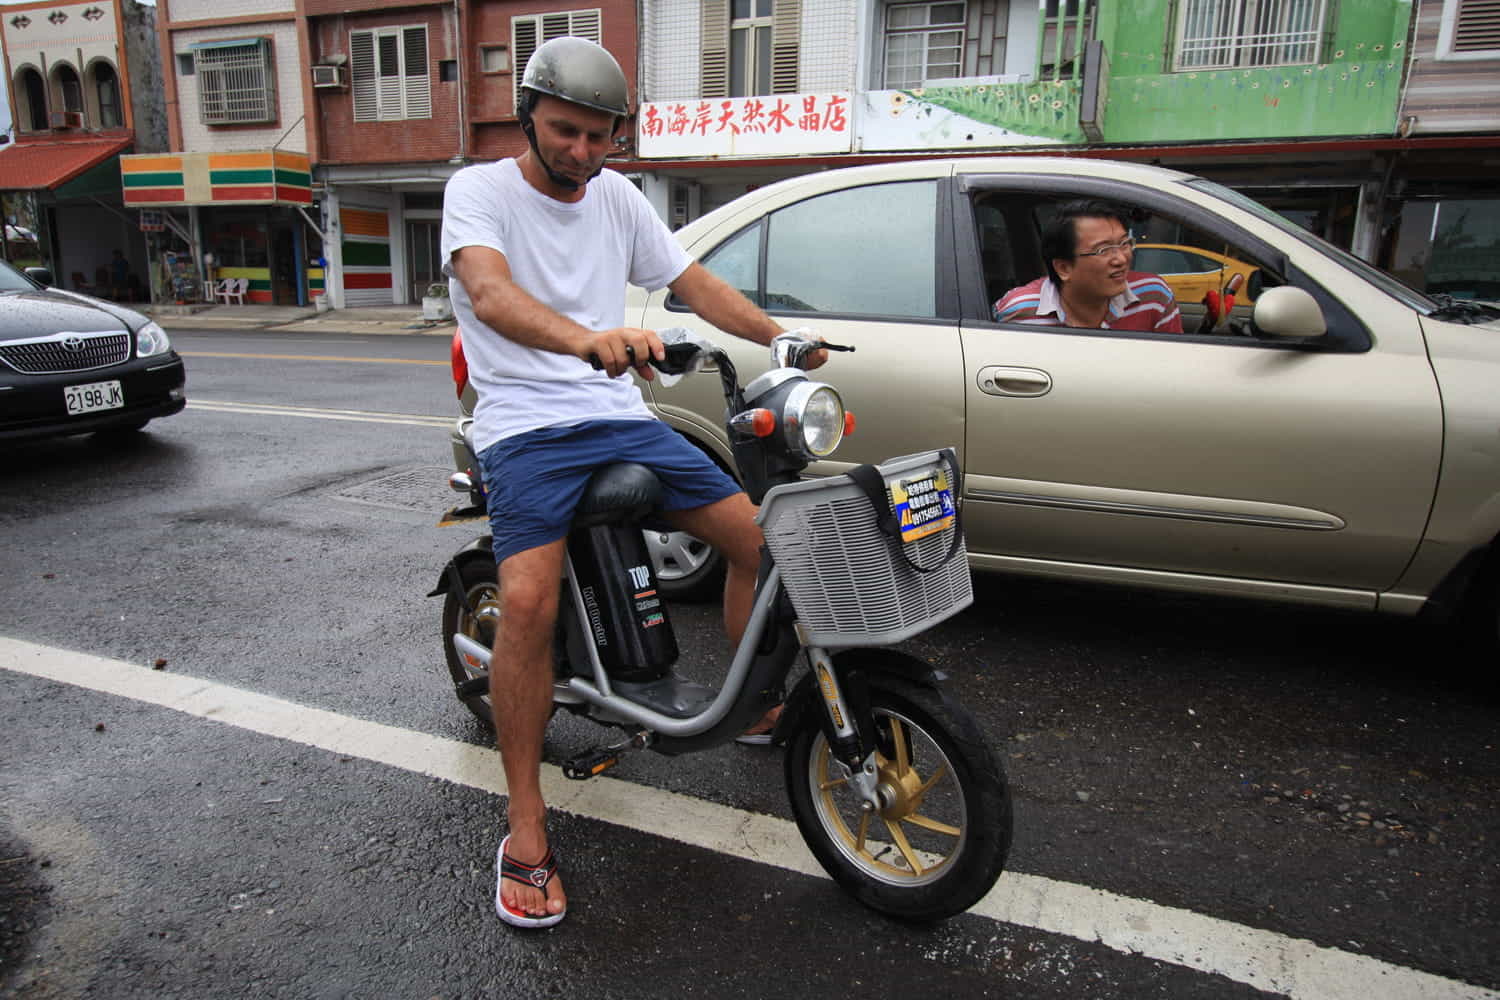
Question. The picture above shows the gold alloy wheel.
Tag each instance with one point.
(480, 626)
(920, 828)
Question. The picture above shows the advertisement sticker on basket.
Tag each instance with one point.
(923, 504)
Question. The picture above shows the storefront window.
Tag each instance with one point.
(238, 240)
(1450, 246)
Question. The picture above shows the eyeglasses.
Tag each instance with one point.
(1127, 245)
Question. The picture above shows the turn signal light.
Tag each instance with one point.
(762, 422)
(848, 422)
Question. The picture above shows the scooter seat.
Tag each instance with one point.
(625, 491)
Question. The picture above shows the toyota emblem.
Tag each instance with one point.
(72, 342)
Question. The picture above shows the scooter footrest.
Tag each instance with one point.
(672, 696)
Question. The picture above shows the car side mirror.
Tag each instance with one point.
(1256, 285)
(41, 275)
(1288, 312)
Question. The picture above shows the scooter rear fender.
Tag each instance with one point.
(482, 547)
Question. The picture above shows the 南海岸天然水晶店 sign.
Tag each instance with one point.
(770, 124)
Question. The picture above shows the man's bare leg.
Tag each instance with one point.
(729, 526)
(521, 699)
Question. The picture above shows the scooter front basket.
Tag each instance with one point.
(851, 584)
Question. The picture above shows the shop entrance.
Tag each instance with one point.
(424, 260)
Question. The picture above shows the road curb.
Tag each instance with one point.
(324, 326)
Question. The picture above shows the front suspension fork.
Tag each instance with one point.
(853, 750)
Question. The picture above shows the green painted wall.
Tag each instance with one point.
(1356, 92)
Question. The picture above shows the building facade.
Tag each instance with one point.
(85, 86)
(232, 193)
(1314, 108)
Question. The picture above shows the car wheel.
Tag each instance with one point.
(687, 569)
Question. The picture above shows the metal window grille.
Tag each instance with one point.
(390, 74)
(529, 32)
(923, 41)
(1222, 33)
(236, 83)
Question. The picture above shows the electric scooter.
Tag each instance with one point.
(890, 781)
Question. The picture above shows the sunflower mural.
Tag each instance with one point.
(977, 115)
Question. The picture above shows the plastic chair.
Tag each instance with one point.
(232, 290)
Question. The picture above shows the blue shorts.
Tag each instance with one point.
(535, 480)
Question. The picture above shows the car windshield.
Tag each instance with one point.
(12, 280)
(1385, 282)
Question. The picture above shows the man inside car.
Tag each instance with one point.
(1089, 284)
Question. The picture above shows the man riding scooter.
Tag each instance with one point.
(538, 250)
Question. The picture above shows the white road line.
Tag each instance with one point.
(319, 413)
(1267, 961)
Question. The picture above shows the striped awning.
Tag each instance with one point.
(254, 177)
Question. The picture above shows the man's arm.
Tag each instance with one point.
(723, 305)
(714, 299)
(506, 307)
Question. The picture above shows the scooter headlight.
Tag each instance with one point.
(813, 420)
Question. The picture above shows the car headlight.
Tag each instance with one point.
(813, 419)
(151, 339)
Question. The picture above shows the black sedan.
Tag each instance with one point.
(71, 364)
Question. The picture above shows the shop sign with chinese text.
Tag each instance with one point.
(768, 125)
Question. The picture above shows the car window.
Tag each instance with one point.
(738, 262)
(867, 250)
(12, 280)
(1165, 260)
(1175, 267)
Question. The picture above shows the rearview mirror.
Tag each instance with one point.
(1290, 312)
(41, 275)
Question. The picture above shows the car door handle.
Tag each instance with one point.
(1000, 380)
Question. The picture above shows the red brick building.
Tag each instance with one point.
(404, 95)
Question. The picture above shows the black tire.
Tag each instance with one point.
(950, 804)
(686, 568)
(482, 586)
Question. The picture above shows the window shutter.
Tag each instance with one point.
(585, 24)
(531, 31)
(714, 69)
(417, 81)
(1478, 26)
(388, 75)
(523, 44)
(786, 39)
(362, 76)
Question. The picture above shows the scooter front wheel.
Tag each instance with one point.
(941, 837)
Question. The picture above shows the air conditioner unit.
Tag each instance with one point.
(328, 76)
(65, 119)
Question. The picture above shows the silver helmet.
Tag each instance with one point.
(580, 72)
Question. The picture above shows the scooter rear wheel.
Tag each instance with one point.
(482, 588)
(941, 839)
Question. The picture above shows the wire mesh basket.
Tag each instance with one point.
(851, 584)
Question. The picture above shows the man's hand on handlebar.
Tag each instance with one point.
(617, 351)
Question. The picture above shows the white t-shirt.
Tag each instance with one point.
(575, 258)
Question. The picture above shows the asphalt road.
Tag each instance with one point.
(1212, 799)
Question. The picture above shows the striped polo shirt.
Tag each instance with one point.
(1145, 304)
